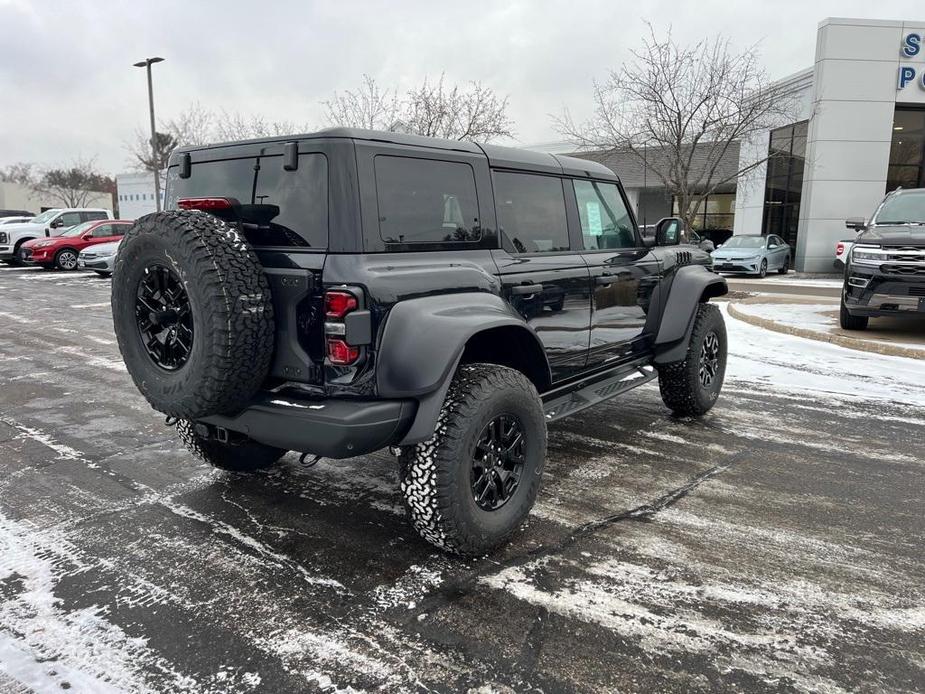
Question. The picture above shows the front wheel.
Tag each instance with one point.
(469, 487)
(849, 322)
(691, 386)
(66, 260)
(763, 269)
(244, 455)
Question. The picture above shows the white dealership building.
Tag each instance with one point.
(860, 133)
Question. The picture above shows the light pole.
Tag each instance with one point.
(147, 63)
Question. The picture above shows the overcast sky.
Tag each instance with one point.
(68, 87)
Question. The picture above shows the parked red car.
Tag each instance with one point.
(61, 251)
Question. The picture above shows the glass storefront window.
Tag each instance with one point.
(784, 183)
(716, 211)
(907, 150)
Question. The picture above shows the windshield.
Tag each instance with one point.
(904, 208)
(745, 242)
(44, 217)
(78, 230)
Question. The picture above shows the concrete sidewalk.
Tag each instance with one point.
(816, 318)
(793, 284)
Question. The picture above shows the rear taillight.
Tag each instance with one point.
(839, 248)
(338, 304)
(205, 204)
(340, 353)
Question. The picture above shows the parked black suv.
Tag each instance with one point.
(885, 269)
(340, 292)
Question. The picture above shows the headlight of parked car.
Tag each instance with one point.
(42, 244)
(866, 256)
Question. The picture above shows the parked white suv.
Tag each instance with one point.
(49, 223)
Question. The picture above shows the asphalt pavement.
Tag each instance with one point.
(775, 545)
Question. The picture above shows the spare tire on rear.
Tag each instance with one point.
(192, 313)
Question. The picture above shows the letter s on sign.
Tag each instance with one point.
(912, 44)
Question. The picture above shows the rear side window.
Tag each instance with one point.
(605, 222)
(426, 201)
(531, 212)
(90, 216)
(276, 207)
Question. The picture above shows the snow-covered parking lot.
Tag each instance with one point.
(774, 546)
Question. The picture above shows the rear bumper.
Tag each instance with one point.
(331, 428)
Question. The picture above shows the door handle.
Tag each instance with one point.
(605, 279)
(526, 289)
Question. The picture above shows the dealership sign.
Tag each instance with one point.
(911, 47)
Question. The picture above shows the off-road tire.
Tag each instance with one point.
(244, 456)
(435, 475)
(230, 303)
(849, 322)
(679, 382)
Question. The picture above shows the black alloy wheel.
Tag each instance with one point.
(709, 360)
(498, 462)
(164, 318)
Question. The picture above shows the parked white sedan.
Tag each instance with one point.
(752, 254)
(99, 258)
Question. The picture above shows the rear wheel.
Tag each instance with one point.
(469, 487)
(849, 322)
(690, 387)
(244, 455)
(66, 259)
(785, 268)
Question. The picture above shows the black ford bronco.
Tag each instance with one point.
(885, 268)
(345, 291)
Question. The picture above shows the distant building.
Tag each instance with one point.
(16, 196)
(135, 193)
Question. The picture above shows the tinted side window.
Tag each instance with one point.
(605, 222)
(426, 201)
(531, 212)
(102, 230)
(88, 216)
(277, 207)
(69, 219)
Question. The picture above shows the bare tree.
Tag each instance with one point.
(369, 106)
(76, 184)
(147, 160)
(20, 172)
(195, 125)
(472, 112)
(239, 126)
(692, 105)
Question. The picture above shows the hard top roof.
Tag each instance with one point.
(503, 157)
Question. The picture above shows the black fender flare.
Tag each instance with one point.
(691, 285)
(422, 343)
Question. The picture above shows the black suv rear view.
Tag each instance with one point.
(345, 291)
(885, 268)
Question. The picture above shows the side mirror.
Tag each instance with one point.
(668, 232)
(856, 223)
(57, 223)
(648, 241)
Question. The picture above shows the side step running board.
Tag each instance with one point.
(596, 391)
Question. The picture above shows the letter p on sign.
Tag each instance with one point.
(906, 75)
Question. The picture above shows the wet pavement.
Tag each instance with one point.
(775, 545)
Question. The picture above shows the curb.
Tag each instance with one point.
(835, 339)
